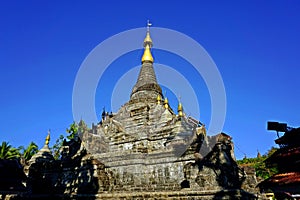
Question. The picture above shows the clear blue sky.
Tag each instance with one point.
(255, 45)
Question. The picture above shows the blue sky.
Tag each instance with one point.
(255, 45)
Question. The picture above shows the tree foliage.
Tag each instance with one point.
(258, 163)
(72, 131)
(27, 153)
(56, 147)
(8, 152)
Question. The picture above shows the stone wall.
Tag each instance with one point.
(80, 175)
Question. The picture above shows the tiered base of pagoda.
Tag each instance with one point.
(182, 195)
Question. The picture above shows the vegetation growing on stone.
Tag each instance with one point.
(262, 170)
(73, 130)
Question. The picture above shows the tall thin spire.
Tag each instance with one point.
(147, 56)
(179, 108)
(47, 138)
(146, 86)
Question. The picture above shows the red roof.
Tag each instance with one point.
(283, 179)
(285, 155)
(290, 137)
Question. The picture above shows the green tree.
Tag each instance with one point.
(27, 153)
(258, 163)
(8, 152)
(271, 151)
(56, 147)
(72, 131)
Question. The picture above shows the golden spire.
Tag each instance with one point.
(47, 138)
(179, 109)
(158, 99)
(166, 103)
(148, 39)
(147, 56)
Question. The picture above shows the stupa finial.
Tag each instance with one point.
(147, 56)
(47, 138)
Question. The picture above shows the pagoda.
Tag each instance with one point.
(145, 142)
(146, 146)
(143, 151)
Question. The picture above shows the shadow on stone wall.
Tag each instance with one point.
(11, 177)
(217, 170)
(220, 165)
(76, 173)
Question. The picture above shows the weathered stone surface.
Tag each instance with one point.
(11, 176)
(149, 148)
(76, 172)
(250, 182)
(144, 151)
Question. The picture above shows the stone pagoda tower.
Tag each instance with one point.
(145, 144)
(144, 151)
(148, 149)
